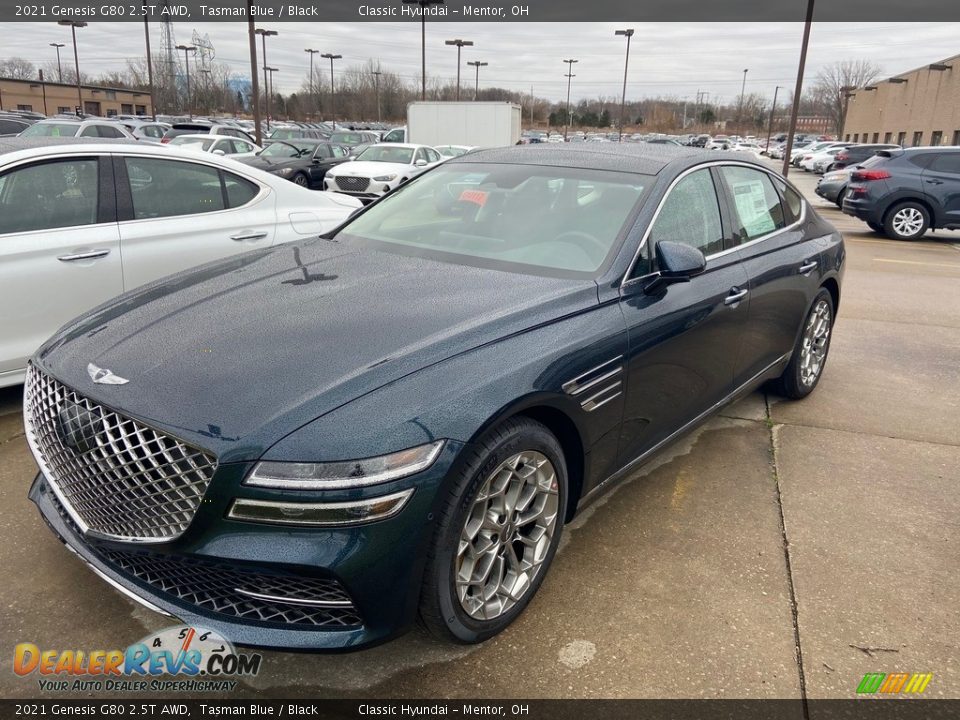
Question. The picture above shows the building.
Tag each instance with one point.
(919, 107)
(51, 98)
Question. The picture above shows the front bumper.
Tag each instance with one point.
(362, 581)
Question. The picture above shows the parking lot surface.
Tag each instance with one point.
(782, 550)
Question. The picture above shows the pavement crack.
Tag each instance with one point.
(786, 557)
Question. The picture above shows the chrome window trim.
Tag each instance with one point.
(626, 280)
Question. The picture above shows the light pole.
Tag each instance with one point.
(743, 89)
(270, 70)
(254, 81)
(772, 110)
(569, 76)
(313, 93)
(73, 25)
(628, 33)
(333, 106)
(187, 49)
(207, 105)
(59, 66)
(376, 80)
(845, 91)
(424, 4)
(460, 44)
(476, 88)
(264, 34)
(146, 37)
(798, 89)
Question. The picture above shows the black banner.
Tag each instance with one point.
(198, 11)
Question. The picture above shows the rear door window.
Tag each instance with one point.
(756, 205)
(167, 188)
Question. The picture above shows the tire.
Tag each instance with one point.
(464, 612)
(840, 197)
(876, 228)
(803, 372)
(300, 179)
(907, 220)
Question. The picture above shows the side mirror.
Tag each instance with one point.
(676, 262)
(219, 152)
(420, 162)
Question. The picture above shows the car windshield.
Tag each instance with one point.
(381, 153)
(562, 222)
(286, 150)
(347, 138)
(193, 142)
(51, 130)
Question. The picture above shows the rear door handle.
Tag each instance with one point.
(735, 296)
(250, 236)
(808, 267)
(89, 255)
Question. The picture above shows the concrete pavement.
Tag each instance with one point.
(745, 561)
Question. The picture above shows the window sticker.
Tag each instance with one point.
(752, 207)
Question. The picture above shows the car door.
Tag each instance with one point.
(321, 161)
(941, 182)
(176, 214)
(684, 338)
(59, 249)
(782, 263)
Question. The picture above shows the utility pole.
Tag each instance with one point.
(376, 79)
(628, 33)
(73, 25)
(773, 109)
(43, 88)
(254, 82)
(146, 38)
(424, 4)
(476, 88)
(799, 88)
(186, 59)
(59, 66)
(743, 89)
(333, 107)
(460, 45)
(313, 93)
(270, 70)
(846, 103)
(569, 76)
(264, 34)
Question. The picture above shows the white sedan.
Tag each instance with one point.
(82, 223)
(216, 144)
(381, 168)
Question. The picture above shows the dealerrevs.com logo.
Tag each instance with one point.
(894, 683)
(208, 661)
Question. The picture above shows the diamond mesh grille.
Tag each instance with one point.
(119, 477)
(353, 184)
(214, 587)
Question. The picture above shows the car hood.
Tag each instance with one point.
(265, 164)
(235, 355)
(360, 168)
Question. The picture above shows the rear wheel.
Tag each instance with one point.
(906, 221)
(810, 354)
(840, 197)
(497, 533)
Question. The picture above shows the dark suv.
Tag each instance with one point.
(904, 193)
(856, 154)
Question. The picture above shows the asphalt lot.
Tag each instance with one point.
(783, 549)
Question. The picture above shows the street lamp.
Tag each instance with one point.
(628, 33)
(743, 89)
(313, 92)
(146, 39)
(476, 89)
(424, 4)
(333, 108)
(73, 25)
(376, 79)
(269, 89)
(772, 110)
(207, 105)
(460, 44)
(187, 49)
(264, 34)
(59, 66)
(569, 76)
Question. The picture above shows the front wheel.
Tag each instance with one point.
(497, 532)
(906, 221)
(300, 179)
(810, 354)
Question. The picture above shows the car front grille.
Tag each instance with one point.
(353, 184)
(117, 477)
(253, 596)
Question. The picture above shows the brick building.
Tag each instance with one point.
(51, 98)
(919, 107)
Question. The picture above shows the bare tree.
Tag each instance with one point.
(834, 81)
(18, 68)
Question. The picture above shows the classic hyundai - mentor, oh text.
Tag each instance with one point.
(319, 442)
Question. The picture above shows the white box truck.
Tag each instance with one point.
(477, 124)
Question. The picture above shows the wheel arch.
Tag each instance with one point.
(931, 209)
(833, 287)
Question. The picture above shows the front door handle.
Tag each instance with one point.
(935, 182)
(735, 296)
(808, 267)
(89, 255)
(249, 236)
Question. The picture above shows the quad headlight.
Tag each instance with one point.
(283, 171)
(344, 474)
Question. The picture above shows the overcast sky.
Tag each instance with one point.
(666, 58)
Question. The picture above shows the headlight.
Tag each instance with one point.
(283, 171)
(385, 178)
(345, 474)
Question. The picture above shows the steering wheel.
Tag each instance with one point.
(572, 237)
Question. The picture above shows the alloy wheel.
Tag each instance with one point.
(507, 535)
(908, 221)
(816, 335)
(300, 180)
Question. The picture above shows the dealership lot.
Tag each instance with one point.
(830, 522)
